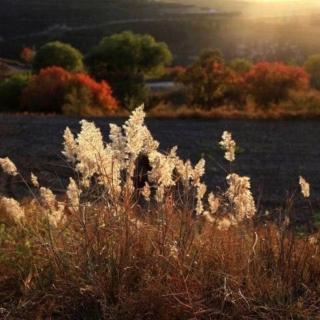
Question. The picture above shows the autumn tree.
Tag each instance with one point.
(58, 54)
(86, 96)
(210, 83)
(269, 82)
(124, 60)
(27, 54)
(56, 90)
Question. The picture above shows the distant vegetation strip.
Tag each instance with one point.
(127, 69)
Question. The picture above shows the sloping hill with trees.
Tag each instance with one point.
(83, 23)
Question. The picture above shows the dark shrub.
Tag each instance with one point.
(11, 90)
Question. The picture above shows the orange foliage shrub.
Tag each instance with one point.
(235, 93)
(46, 91)
(56, 90)
(27, 55)
(271, 82)
(101, 91)
(212, 84)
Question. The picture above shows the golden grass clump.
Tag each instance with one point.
(137, 236)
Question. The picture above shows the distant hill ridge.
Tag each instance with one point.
(83, 23)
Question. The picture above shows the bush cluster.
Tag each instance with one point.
(210, 82)
(11, 90)
(56, 90)
(125, 61)
(122, 61)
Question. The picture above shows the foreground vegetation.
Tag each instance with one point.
(137, 236)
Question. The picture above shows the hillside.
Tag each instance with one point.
(83, 23)
(286, 32)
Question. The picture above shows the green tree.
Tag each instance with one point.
(124, 60)
(240, 65)
(208, 57)
(312, 66)
(11, 90)
(58, 54)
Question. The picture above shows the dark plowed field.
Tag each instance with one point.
(272, 153)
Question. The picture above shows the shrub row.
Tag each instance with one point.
(210, 82)
(56, 90)
(124, 61)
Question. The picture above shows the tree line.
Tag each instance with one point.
(113, 75)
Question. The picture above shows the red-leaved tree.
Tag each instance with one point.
(210, 83)
(27, 55)
(46, 91)
(271, 82)
(100, 94)
(56, 90)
